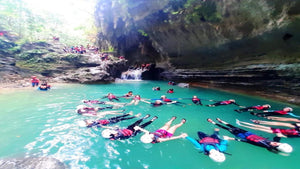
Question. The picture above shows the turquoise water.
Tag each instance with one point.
(38, 123)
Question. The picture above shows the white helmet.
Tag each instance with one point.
(147, 138)
(107, 132)
(216, 156)
(284, 147)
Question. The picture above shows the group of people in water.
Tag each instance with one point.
(212, 145)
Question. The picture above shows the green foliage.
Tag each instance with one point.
(143, 33)
(205, 11)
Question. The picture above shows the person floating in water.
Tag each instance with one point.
(283, 119)
(170, 91)
(93, 102)
(284, 111)
(171, 83)
(211, 145)
(93, 111)
(156, 88)
(128, 95)
(125, 133)
(135, 100)
(157, 103)
(248, 137)
(252, 108)
(114, 104)
(44, 86)
(112, 120)
(111, 97)
(226, 102)
(34, 81)
(165, 99)
(196, 100)
(165, 133)
(293, 132)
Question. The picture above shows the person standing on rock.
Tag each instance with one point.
(34, 81)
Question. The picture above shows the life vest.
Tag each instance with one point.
(125, 132)
(255, 138)
(34, 80)
(259, 107)
(209, 141)
(111, 97)
(167, 100)
(289, 132)
(160, 134)
(226, 102)
(281, 112)
(170, 91)
(103, 122)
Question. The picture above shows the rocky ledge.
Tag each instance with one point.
(280, 82)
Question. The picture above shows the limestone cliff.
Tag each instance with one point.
(211, 41)
(200, 33)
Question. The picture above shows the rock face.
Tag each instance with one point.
(278, 82)
(226, 42)
(196, 34)
(49, 62)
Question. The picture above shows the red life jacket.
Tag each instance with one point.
(226, 102)
(126, 132)
(103, 122)
(111, 97)
(255, 138)
(167, 100)
(259, 107)
(209, 140)
(289, 132)
(195, 99)
(281, 112)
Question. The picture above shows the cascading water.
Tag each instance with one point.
(132, 74)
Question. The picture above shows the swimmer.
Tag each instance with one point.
(135, 100)
(111, 97)
(284, 111)
(157, 103)
(248, 137)
(196, 100)
(128, 95)
(170, 91)
(112, 120)
(93, 111)
(251, 108)
(211, 145)
(226, 102)
(125, 133)
(156, 88)
(293, 132)
(165, 133)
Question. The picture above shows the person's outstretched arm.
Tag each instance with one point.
(196, 143)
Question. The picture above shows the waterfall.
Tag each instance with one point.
(132, 74)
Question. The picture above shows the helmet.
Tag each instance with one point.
(290, 109)
(147, 138)
(107, 132)
(268, 105)
(216, 156)
(284, 147)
